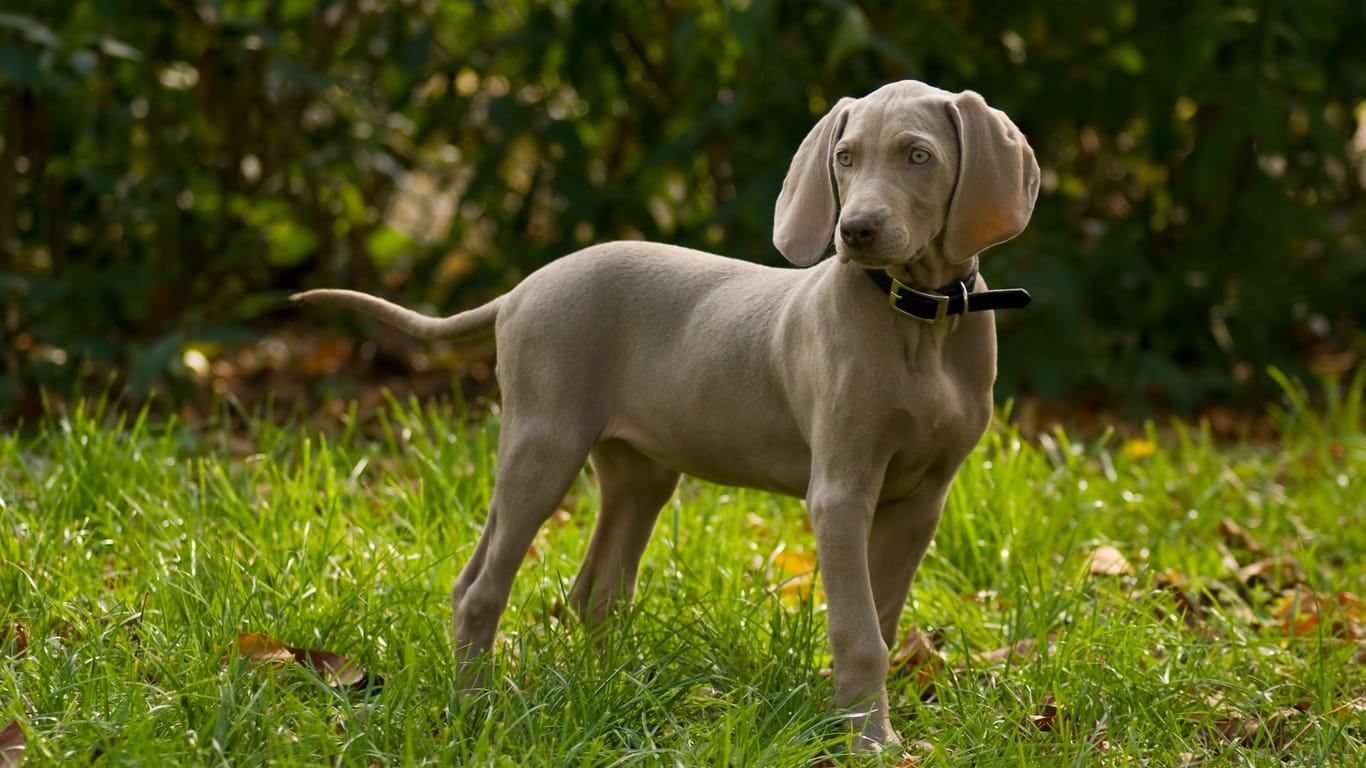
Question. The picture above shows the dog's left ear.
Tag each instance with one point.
(804, 218)
(998, 179)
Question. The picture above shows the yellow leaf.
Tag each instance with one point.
(788, 562)
(258, 647)
(1136, 449)
(793, 574)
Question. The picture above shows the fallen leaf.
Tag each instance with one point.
(1237, 537)
(1046, 717)
(257, 647)
(1300, 612)
(14, 636)
(1024, 650)
(917, 648)
(1107, 560)
(1275, 573)
(336, 670)
(12, 745)
(1353, 611)
(1271, 732)
(917, 658)
(1136, 449)
(1189, 609)
(793, 573)
(1350, 711)
(327, 357)
(793, 562)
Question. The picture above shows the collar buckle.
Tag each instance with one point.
(941, 302)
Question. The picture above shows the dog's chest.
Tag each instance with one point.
(939, 419)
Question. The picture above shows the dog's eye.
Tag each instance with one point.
(920, 156)
(844, 157)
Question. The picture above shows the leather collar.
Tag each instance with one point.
(956, 298)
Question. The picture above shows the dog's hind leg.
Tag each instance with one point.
(634, 488)
(900, 536)
(535, 468)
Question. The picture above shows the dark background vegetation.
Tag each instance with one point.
(170, 171)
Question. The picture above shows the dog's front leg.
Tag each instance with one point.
(841, 516)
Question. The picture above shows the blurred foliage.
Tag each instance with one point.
(171, 170)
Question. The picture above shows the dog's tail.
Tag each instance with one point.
(470, 324)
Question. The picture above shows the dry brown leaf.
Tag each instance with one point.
(1351, 711)
(13, 742)
(917, 648)
(15, 636)
(261, 648)
(336, 670)
(1047, 715)
(1275, 573)
(1107, 560)
(1271, 732)
(917, 658)
(1023, 650)
(1226, 558)
(1237, 537)
(1172, 583)
(327, 358)
(1299, 612)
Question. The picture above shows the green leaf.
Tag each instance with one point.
(386, 244)
(32, 30)
(118, 49)
(289, 242)
(852, 34)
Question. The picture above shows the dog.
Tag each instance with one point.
(860, 384)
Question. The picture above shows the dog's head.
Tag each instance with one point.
(907, 167)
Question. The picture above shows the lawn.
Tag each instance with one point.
(261, 594)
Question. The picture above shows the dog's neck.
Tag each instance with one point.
(956, 296)
(936, 275)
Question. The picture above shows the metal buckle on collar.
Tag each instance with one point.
(941, 302)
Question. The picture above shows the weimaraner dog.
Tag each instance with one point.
(861, 383)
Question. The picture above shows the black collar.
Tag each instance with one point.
(956, 298)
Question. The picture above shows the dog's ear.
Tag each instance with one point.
(998, 179)
(804, 218)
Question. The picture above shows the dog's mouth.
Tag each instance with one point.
(875, 264)
(892, 248)
(868, 260)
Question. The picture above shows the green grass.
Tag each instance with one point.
(133, 554)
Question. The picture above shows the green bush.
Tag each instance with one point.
(170, 171)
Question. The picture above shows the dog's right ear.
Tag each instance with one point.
(804, 219)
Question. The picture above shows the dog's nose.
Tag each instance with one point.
(858, 229)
